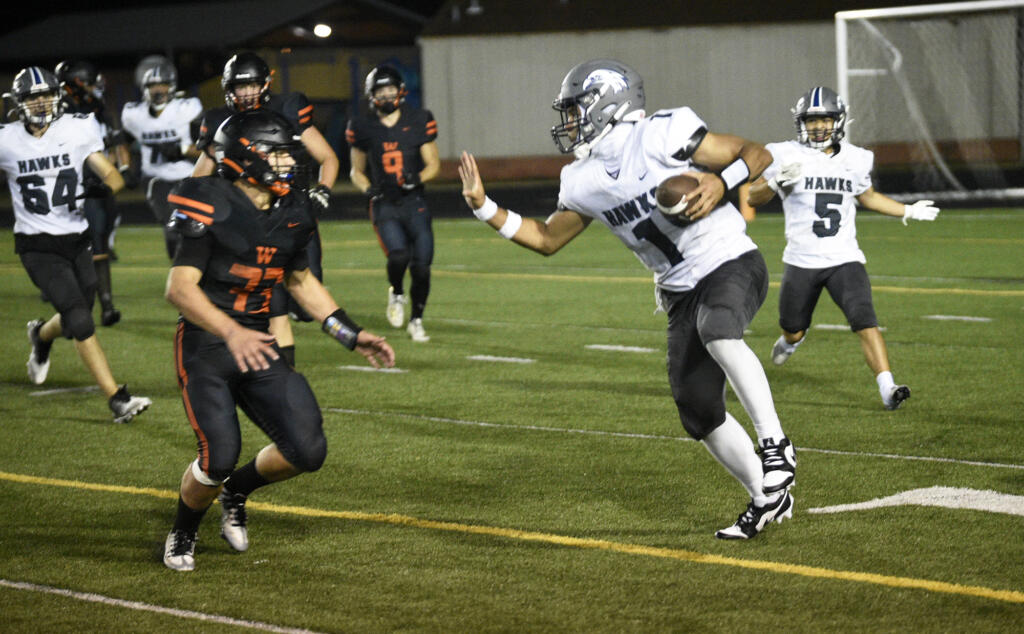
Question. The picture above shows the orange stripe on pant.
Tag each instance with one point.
(204, 445)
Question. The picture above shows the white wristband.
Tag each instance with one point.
(487, 210)
(512, 224)
(735, 173)
(773, 185)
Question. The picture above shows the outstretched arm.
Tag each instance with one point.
(877, 201)
(545, 238)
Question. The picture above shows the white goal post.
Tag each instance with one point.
(937, 92)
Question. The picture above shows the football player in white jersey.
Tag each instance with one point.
(821, 181)
(709, 275)
(162, 124)
(44, 155)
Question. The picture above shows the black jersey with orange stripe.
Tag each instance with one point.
(293, 106)
(392, 152)
(243, 251)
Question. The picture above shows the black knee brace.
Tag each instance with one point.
(77, 323)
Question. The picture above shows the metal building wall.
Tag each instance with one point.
(492, 94)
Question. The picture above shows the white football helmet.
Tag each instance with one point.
(594, 96)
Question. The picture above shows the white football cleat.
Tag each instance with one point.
(898, 394)
(753, 520)
(417, 332)
(778, 461)
(782, 350)
(396, 308)
(180, 550)
(39, 359)
(233, 520)
(125, 406)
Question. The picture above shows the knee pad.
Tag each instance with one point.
(202, 478)
(77, 323)
(861, 315)
(310, 456)
(398, 257)
(719, 322)
(700, 401)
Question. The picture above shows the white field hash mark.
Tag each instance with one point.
(148, 607)
(611, 348)
(370, 368)
(943, 497)
(638, 436)
(487, 357)
(958, 318)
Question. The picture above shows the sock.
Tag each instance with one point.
(188, 518)
(245, 480)
(103, 290)
(885, 384)
(788, 347)
(732, 448)
(288, 352)
(750, 384)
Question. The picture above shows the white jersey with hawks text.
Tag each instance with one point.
(616, 185)
(44, 174)
(171, 126)
(821, 207)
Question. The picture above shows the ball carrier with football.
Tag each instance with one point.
(709, 275)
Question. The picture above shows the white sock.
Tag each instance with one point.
(730, 444)
(788, 347)
(885, 385)
(750, 384)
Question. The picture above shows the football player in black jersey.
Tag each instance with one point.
(246, 82)
(82, 92)
(393, 153)
(243, 235)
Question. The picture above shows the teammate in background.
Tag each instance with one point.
(821, 181)
(709, 275)
(242, 236)
(392, 154)
(246, 83)
(83, 87)
(161, 124)
(44, 156)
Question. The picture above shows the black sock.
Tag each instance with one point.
(103, 289)
(288, 352)
(245, 480)
(188, 518)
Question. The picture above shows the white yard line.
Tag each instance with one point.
(149, 607)
(596, 432)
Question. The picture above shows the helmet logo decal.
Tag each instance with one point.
(609, 80)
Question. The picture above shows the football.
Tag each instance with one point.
(669, 197)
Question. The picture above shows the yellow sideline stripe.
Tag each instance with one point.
(1011, 596)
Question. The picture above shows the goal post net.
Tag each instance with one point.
(937, 92)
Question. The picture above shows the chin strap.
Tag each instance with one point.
(583, 151)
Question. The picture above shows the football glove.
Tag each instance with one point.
(94, 189)
(320, 197)
(921, 210)
(788, 175)
(171, 151)
(131, 179)
(410, 181)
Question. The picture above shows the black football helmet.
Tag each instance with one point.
(245, 146)
(820, 102)
(81, 81)
(246, 68)
(379, 77)
(31, 82)
(594, 96)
